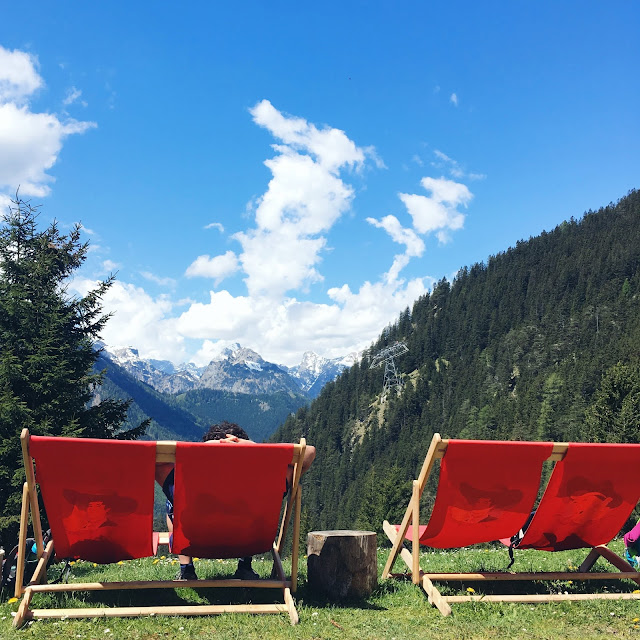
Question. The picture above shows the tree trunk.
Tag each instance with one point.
(342, 564)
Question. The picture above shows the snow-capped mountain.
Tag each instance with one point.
(315, 371)
(162, 375)
(236, 369)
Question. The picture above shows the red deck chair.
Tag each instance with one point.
(486, 491)
(98, 495)
(228, 497)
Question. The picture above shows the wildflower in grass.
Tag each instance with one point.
(570, 582)
(156, 561)
(471, 590)
(196, 559)
(162, 557)
(120, 562)
(636, 591)
(72, 563)
(95, 564)
(636, 620)
(12, 600)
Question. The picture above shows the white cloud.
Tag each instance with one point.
(281, 255)
(138, 320)
(215, 225)
(453, 167)
(163, 282)
(305, 197)
(331, 147)
(454, 99)
(438, 213)
(110, 265)
(407, 237)
(30, 142)
(19, 77)
(72, 95)
(218, 267)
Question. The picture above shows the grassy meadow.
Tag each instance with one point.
(396, 610)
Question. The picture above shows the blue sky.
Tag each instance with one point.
(292, 176)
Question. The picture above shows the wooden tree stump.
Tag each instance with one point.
(342, 564)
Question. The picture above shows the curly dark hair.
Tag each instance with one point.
(220, 431)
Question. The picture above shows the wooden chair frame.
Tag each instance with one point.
(437, 450)
(165, 452)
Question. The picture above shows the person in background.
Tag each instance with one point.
(632, 546)
(225, 432)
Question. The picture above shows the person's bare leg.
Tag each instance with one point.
(183, 560)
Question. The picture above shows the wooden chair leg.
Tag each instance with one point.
(434, 597)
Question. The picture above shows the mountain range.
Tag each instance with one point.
(237, 385)
(236, 369)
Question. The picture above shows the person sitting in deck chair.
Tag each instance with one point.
(225, 432)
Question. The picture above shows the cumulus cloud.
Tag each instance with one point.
(30, 142)
(138, 320)
(305, 197)
(281, 255)
(407, 237)
(19, 77)
(218, 267)
(437, 213)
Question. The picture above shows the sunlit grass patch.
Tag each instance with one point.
(396, 609)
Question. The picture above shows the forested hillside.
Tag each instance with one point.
(541, 342)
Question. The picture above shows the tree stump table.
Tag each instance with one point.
(342, 564)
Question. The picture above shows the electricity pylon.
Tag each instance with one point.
(391, 378)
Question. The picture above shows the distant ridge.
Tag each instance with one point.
(236, 369)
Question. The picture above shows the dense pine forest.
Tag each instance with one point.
(541, 342)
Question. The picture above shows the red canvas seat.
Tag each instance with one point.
(227, 498)
(98, 496)
(486, 492)
(591, 494)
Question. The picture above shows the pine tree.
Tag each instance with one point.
(47, 349)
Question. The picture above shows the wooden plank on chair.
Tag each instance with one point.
(295, 546)
(434, 597)
(33, 494)
(41, 568)
(22, 541)
(157, 584)
(436, 450)
(291, 607)
(616, 561)
(167, 610)
(531, 576)
(415, 533)
(543, 597)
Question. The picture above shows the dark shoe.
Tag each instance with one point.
(187, 573)
(245, 572)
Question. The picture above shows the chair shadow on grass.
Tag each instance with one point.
(321, 600)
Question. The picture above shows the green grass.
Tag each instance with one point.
(397, 609)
